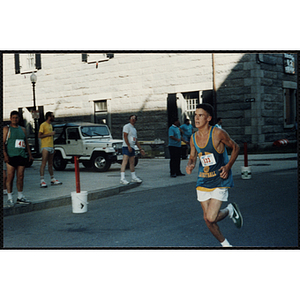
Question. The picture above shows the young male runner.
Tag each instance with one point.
(215, 176)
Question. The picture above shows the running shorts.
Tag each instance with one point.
(125, 151)
(49, 149)
(218, 193)
(16, 161)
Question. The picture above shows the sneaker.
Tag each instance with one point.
(136, 179)
(10, 203)
(124, 181)
(43, 184)
(55, 182)
(23, 200)
(236, 216)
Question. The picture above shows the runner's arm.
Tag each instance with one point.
(139, 146)
(226, 140)
(5, 132)
(27, 145)
(125, 134)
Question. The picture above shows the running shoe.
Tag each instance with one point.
(124, 181)
(10, 203)
(23, 200)
(236, 217)
(136, 179)
(43, 184)
(55, 182)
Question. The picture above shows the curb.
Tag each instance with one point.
(66, 200)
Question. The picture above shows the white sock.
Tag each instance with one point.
(42, 179)
(225, 243)
(122, 175)
(133, 176)
(9, 196)
(20, 195)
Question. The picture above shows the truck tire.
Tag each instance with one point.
(100, 162)
(59, 163)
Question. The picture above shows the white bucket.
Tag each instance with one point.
(79, 202)
(246, 172)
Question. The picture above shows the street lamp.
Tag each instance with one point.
(33, 79)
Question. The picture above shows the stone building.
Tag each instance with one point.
(255, 94)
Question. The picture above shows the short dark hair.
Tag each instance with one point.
(207, 107)
(48, 114)
(15, 112)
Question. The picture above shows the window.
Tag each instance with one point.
(100, 112)
(290, 96)
(96, 57)
(27, 62)
(191, 101)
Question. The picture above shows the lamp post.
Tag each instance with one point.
(33, 79)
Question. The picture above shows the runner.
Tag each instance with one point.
(14, 144)
(215, 176)
(46, 134)
(129, 141)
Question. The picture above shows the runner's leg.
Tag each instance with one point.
(50, 164)
(131, 163)
(45, 154)
(124, 163)
(212, 214)
(10, 178)
(20, 178)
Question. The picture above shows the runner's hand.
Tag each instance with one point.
(224, 171)
(189, 168)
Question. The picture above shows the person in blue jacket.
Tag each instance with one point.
(214, 175)
(175, 149)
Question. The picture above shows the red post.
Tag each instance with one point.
(77, 179)
(245, 155)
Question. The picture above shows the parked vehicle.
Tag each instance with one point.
(92, 143)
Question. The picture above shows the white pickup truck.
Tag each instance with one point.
(92, 143)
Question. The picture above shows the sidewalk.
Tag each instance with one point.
(154, 172)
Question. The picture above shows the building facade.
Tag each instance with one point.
(255, 94)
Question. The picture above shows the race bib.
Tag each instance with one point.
(20, 144)
(208, 160)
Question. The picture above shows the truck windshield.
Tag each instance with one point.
(94, 130)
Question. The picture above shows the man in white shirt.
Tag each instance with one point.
(129, 141)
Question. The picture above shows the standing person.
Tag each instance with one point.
(187, 131)
(219, 123)
(175, 149)
(46, 135)
(215, 176)
(129, 141)
(14, 144)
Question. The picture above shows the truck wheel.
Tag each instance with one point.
(59, 163)
(136, 160)
(101, 163)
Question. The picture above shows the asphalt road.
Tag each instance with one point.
(165, 217)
